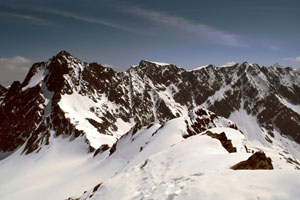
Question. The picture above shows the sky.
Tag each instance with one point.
(120, 33)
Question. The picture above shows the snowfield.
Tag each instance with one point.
(209, 185)
(153, 163)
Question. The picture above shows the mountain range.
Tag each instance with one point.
(77, 130)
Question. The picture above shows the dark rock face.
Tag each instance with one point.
(202, 120)
(141, 95)
(101, 149)
(20, 113)
(226, 143)
(258, 160)
(3, 91)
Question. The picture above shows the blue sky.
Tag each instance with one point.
(121, 33)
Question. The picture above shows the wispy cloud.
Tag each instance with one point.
(28, 18)
(291, 59)
(87, 19)
(70, 15)
(203, 31)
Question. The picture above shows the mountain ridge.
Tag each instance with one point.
(144, 94)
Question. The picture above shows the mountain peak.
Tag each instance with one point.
(63, 53)
(52, 71)
(64, 57)
(247, 64)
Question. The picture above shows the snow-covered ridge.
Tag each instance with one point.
(159, 63)
(229, 64)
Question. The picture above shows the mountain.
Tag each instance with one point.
(93, 127)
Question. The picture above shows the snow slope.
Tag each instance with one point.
(280, 149)
(193, 168)
(153, 162)
(148, 183)
(78, 109)
(37, 78)
(53, 173)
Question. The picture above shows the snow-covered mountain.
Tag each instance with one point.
(73, 126)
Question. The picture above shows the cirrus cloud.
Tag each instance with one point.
(185, 25)
(28, 18)
(87, 19)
